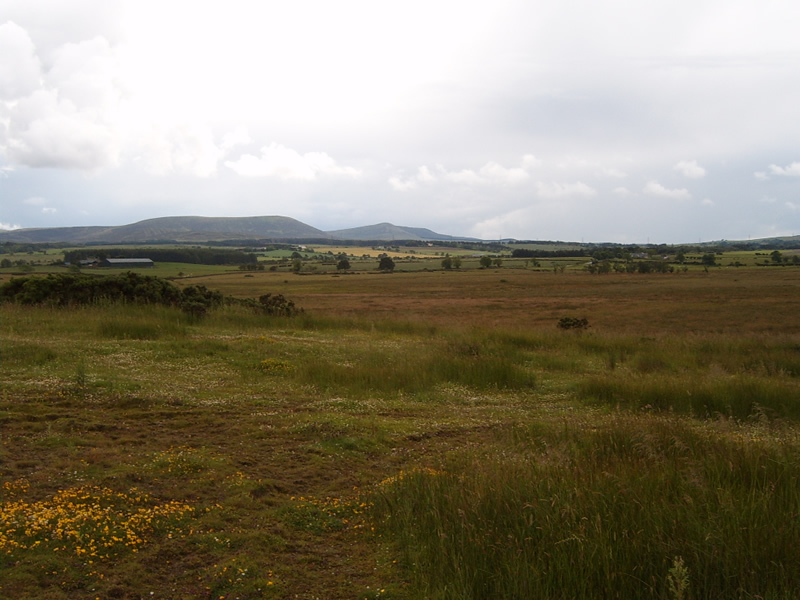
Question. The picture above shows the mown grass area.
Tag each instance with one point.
(438, 452)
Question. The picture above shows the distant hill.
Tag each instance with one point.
(179, 229)
(389, 232)
(214, 229)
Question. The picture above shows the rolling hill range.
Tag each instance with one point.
(210, 229)
(388, 232)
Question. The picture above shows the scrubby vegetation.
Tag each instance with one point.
(70, 290)
(435, 436)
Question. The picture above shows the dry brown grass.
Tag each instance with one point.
(722, 301)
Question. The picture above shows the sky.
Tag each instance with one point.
(580, 120)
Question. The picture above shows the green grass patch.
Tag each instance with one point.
(607, 514)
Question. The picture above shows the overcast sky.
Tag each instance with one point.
(594, 120)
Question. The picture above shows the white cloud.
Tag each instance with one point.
(615, 173)
(500, 226)
(34, 201)
(463, 177)
(62, 115)
(792, 170)
(237, 137)
(49, 210)
(19, 65)
(529, 161)
(48, 131)
(761, 176)
(707, 202)
(690, 169)
(791, 206)
(187, 148)
(401, 185)
(492, 173)
(284, 163)
(653, 188)
(9, 226)
(559, 190)
(622, 191)
(495, 172)
(424, 175)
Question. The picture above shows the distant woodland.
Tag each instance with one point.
(196, 256)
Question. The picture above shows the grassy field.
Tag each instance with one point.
(420, 434)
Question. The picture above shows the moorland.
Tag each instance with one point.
(522, 429)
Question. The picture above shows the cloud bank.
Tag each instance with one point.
(590, 121)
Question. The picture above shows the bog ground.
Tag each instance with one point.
(426, 434)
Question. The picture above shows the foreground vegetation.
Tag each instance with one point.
(149, 453)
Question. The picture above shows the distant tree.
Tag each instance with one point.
(386, 264)
(297, 264)
(680, 257)
(447, 263)
(498, 262)
(486, 261)
(776, 257)
(456, 262)
(343, 264)
(709, 260)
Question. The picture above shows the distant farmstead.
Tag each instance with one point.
(127, 263)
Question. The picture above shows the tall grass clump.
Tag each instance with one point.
(419, 366)
(638, 509)
(26, 353)
(739, 396)
(147, 322)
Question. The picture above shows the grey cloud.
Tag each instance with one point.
(560, 190)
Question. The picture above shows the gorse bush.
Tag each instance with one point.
(79, 289)
(573, 323)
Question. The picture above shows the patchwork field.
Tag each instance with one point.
(425, 434)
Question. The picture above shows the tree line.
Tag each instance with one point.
(195, 256)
